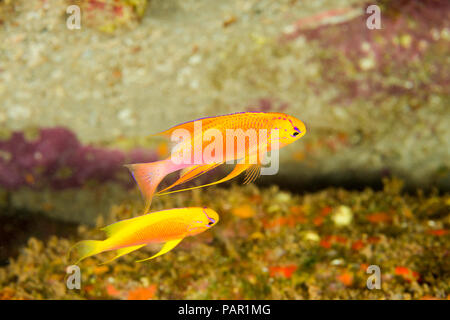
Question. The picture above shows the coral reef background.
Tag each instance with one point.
(269, 244)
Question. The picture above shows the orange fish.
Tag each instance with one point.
(166, 226)
(244, 138)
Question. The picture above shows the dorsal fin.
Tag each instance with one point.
(116, 227)
(205, 120)
(189, 125)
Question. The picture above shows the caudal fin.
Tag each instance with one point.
(149, 175)
(86, 248)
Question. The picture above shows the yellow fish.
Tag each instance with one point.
(166, 226)
(281, 129)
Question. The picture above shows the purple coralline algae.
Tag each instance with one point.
(58, 160)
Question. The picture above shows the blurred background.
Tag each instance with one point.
(368, 184)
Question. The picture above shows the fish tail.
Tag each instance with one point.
(87, 248)
(149, 175)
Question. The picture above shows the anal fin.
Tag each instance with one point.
(191, 173)
(124, 251)
(238, 169)
(169, 245)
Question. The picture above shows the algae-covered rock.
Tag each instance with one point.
(295, 252)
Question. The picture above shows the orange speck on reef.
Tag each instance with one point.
(340, 239)
(326, 211)
(273, 223)
(406, 273)
(342, 137)
(144, 293)
(112, 291)
(100, 270)
(379, 217)
(363, 267)
(118, 10)
(88, 288)
(94, 4)
(228, 21)
(438, 232)
(185, 275)
(345, 278)
(299, 219)
(325, 243)
(328, 241)
(358, 245)
(407, 212)
(290, 221)
(244, 211)
(117, 74)
(256, 198)
(284, 271)
(373, 239)
(318, 221)
(296, 209)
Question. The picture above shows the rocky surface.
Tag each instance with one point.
(375, 101)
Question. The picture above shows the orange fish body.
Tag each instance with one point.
(209, 142)
(241, 122)
(166, 226)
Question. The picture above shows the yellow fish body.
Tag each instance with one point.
(288, 129)
(166, 226)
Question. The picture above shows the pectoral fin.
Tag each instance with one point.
(123, 251)
(169, 245)
(252, 173)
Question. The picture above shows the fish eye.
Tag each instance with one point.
(295, 133)
(211, 221)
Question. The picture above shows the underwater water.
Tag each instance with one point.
(359, 207)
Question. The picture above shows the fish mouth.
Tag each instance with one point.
(211, 220)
